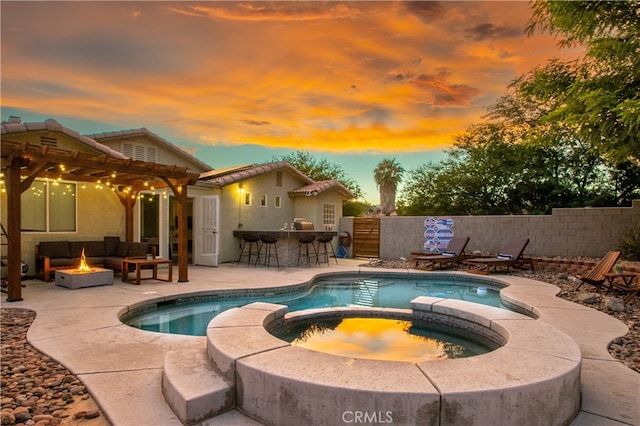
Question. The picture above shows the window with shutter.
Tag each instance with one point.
(151, 154)
(127, 149)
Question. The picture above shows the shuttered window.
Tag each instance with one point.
(139, 152)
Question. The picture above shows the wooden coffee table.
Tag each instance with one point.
(140, 264)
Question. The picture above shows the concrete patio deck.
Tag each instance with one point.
(122, 366)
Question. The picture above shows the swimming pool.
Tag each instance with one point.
(190, 315)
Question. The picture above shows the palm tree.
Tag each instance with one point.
(387, 175)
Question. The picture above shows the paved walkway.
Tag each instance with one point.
(122, 366)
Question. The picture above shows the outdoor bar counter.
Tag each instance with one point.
(288, 245)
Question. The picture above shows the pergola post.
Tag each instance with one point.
(183, 249)
(128, 200)
(14, 247)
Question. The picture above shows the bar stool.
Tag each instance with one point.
(324, 240)
(267, 242)
(251, 240)
(306, 240)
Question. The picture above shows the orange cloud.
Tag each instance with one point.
(359, 76)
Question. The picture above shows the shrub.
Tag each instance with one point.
(630, 243)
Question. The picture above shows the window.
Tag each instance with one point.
(263, 200)
(278, 178)
(328, 215)
(49, 206)
(247, 199)
(139, 152)
(277, 202)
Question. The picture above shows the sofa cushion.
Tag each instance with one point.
(138, 249)
(91, 248)
(95, 260)
(111, 245)
(54, 249)
(122, 249)
(63, 261)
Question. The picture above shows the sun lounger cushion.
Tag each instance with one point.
(448, 254)
(503, 256)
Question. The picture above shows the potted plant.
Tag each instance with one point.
(618, 268)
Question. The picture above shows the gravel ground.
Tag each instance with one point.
(38, 391)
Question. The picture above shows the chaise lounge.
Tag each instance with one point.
(511, 254)
(454, 253)
(595, 277)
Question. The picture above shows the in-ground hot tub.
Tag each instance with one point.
(533, 378)
(385, 336)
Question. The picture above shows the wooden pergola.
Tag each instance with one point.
(23, 162)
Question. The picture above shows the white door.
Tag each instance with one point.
(206, 227)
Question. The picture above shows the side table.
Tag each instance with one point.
(626, 285)
(140, 263)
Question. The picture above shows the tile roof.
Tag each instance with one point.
(52, 125)
(319, 187)
(233, 175)
(143, 131)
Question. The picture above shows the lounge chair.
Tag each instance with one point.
(452, 254)
(596, 277)
(509, 255)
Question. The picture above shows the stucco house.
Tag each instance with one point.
(256, 196)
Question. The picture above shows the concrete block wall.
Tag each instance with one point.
(587, 232)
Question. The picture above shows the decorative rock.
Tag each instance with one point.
(614, 304)
(589, 298)
(77, 390)
(92, 414)
(44, 417)
(22, 414)
(7, 418)
(80, 414)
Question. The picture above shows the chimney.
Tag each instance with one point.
(15, 120)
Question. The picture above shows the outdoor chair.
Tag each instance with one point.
(322, 248)
(454, 253)
(250, 242)
(306, 241)
(596, 277)
(267, 242)
(509, 255)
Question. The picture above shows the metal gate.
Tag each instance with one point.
(366, 237)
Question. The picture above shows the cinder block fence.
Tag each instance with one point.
(567, 232)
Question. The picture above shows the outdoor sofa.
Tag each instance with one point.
(109, 253)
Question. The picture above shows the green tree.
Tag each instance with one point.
(387, 176)
(320, 169)
(598, 95)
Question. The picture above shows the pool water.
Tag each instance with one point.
(380, 339)
(191, 316)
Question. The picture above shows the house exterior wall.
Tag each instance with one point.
(311, 208)
(571, 232)
(233, 211)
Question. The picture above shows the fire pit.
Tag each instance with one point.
(84, 276)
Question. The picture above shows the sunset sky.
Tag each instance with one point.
(237, 82)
